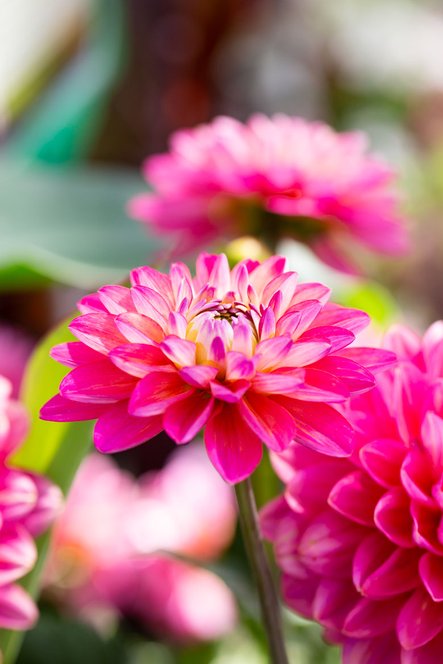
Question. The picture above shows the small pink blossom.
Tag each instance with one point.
(112, 546)
(28, 504)
(272, 176)
(360, 540)
(247, 354)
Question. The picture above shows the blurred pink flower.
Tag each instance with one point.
(360, 540)
(279, 175)
(110, 547)
(15, 349)
(246, 354)
(28, 504)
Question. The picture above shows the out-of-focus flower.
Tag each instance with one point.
(110, 547)
(28, 504)
(360, 540)
(246, 354)
(278, 176)
(15, 349)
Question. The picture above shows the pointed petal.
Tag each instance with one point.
(17, 609)
(139, 329)
(59, 409)
(232, 447)
(116, 430)
(98, 331)
(100, 382)
(269, 420)
(184, 419)
(420, 620)
(74, 353)
(156, 391)
(321, 427)
(139, 359)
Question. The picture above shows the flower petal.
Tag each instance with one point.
(116, 430)
(269, 420)
(232, 447)
(156, 391)
(184, 419)
(100, 382)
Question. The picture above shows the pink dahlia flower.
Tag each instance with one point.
(360, 540)
(272, 176)
(109, 553)
(28, 503)
(246, 354)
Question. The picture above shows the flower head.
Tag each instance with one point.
(28, 504)
(246, 354)
(360, 540)
(279, 176)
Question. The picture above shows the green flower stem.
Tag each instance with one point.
(270, 606)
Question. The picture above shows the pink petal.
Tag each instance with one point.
(308, 488)
(420, 620)
(381, 570)
(321, 428)
(199, 375)
(273, 515)
(382, 649)
(233, 448)
(427, 654)
(277, 383)
(184, 419)
(328, 544)
(351, 319)
(18, 553)
(271, 353)
(432, 438)
(229, 392)
(100, 382)
(303, 352)
(269, 420)
(299, 595)
(139, 359)
(354, 376)
(91, 304)
(311, 291)
(59, 409)
(392, 517)
(98, 331)
(17, 610)
(337, 337)
(321, 386)
(355, 496)
(298, 318)
(372, 618)
(402, 341)
(157, 281)
(74, 353)
(139, 329)
(374, 359)
(116, 299)
(155, 392)
(333, 601)
(431, 573)
(239, 367)
(382, 459)
(116, 430)
(180, 351)
(150, 303)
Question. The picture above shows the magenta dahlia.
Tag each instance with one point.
(279, 176)
(360, 540)
(246, 354)
(28, 504)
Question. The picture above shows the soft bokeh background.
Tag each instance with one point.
(89, 88)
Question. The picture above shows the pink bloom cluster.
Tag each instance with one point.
(279, 175)
(112, 546)
(360, 540)
(28, 504)
(248, 354)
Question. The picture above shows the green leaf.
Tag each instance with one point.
(53, 449)
(69, 225)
